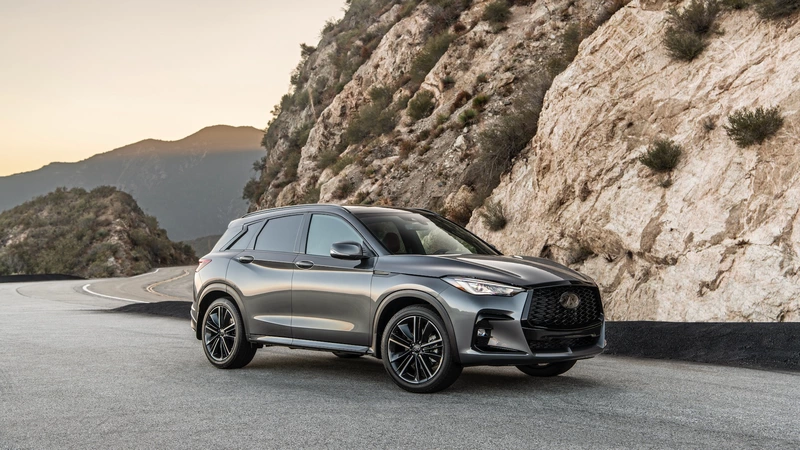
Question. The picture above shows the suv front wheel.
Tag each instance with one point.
(417, 352)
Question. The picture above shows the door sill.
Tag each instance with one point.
(314, 345)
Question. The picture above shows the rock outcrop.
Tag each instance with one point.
(722, 242)
(715, 239)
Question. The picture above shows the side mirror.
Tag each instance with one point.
(347, 250)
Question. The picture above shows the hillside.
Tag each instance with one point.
(597, 133)
(101, 233)
(193, 185)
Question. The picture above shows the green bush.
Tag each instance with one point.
(682, 45)
(685, 36)
(497, 12)
(662, 156)
(571, 39)
(372, 120)
(735, 4)
(343, 189)
(341, 163)
(748, 127)
(421, 105)
(311, 195)
(480, 101)
(493, 216)
(430, 54)
(505, 139)
(467, 117)
(777, 9)
(697, 18)
(327, 158)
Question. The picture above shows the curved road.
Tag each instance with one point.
(73, 375)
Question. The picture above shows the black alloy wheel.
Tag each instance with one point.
(224, 342)
(416, 351)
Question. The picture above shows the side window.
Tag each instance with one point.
(243, 242)
(279, 235)
(327, 230)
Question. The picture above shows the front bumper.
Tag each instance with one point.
(509, 338)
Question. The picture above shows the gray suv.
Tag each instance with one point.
(404, 285)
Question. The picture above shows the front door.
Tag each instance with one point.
(331, 297)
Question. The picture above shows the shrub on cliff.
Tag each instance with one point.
(682, 45)
(497, 12)
(776, 9)
(662, 156)
(430, 54)
(505, 139)
(493, 216)
(685, 36)
(421, 105)
(746, 127)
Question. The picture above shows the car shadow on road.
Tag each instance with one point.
(366, 371)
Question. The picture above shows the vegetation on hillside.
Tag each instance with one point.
(100, 233)
(685, 38)
(749, 127)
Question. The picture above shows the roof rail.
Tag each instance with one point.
(289, 207)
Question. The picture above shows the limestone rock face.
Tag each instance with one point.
(722, 242)
(716, 239)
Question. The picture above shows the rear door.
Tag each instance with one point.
(331, 297)
(263, 276)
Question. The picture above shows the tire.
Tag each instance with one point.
(347, 355)
(547, 370)
(417, 351)
(229, 348)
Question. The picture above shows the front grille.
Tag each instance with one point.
(546, 309)
(562, 344)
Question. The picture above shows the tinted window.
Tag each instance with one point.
(279, 235)
(326, 231)
(422, 234)
(247, 237)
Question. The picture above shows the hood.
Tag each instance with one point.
(515, 270)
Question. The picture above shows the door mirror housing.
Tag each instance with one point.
(347, 250)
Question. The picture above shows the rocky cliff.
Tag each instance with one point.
(560, 174)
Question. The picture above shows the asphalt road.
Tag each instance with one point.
(74, 375)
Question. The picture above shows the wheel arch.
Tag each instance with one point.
(213, 292)
(396, 301)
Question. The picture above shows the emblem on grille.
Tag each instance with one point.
(570, 300)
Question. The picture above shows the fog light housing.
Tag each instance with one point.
(482, 333)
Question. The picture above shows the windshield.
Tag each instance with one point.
(410, 233)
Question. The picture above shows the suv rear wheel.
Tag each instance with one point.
(224, 341)
(417, 352)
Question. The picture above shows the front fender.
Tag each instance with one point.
(420, 294)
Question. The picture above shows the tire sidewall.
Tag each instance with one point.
(445, 373)
(238, 339)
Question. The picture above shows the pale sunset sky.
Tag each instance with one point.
(81, 77)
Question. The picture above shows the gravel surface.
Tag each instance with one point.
(76, 377)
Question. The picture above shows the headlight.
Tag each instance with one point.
(481, 287)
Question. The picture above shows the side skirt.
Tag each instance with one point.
(313, 345)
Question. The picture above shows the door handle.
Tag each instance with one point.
(304, 264)
(246, 259)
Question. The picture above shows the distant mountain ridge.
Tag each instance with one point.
(192, 185)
